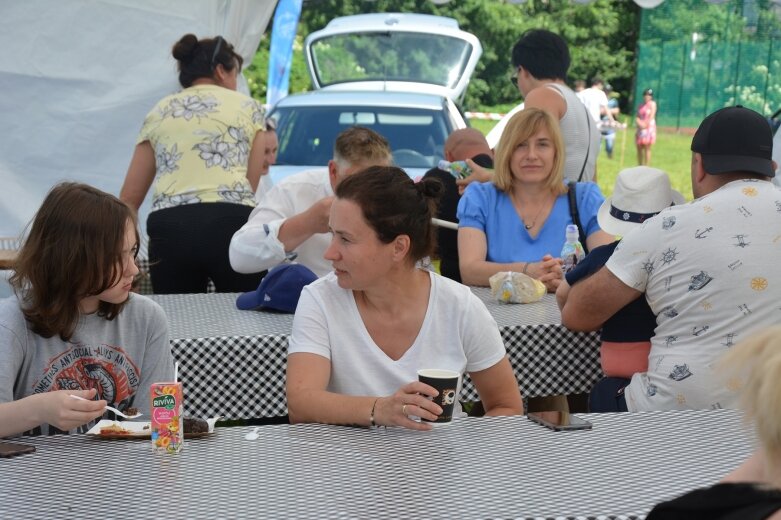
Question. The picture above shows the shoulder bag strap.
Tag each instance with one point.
(575, 214)
(588, 149)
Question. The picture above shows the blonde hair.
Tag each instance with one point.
(520, 128)
(754, 365)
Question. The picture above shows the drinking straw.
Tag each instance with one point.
(444, 223)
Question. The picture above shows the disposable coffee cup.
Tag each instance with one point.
(446, 383)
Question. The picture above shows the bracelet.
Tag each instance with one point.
(371, 417)
(525, 267)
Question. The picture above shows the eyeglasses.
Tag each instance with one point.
(216, 51)
(514, 77)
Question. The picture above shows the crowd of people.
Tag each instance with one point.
(672, 286)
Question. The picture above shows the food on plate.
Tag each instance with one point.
(195, 425)
(114, 429)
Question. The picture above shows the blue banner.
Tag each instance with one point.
(283, 34)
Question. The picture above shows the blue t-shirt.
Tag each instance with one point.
(490, 210)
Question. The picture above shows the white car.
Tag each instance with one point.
(401, 75)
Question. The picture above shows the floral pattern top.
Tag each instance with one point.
(202, 137)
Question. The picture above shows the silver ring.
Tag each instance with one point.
(404, 409)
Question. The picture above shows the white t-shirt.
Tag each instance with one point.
(458, 334)
(710, 272)
(256, 246)
(594, 99)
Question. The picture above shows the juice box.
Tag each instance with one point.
(167, 411)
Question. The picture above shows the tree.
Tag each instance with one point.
(602, 37)
(256, 72)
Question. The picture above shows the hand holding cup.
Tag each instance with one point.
(413, 399)
(446, 384)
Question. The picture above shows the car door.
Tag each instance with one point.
(395, 52)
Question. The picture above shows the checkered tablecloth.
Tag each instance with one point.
(233, 362)
(505, 467)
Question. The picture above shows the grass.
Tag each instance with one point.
(671, 153)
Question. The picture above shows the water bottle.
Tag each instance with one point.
(572, 252)
(458, 169)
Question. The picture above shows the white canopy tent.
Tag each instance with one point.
(77, 78)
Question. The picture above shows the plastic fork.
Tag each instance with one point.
(111, 408)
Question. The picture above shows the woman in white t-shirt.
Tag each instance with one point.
(361, 333)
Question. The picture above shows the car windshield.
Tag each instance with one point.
(390, 56)
(307, 134)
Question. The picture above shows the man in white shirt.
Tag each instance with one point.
(709, 269)
(595, 100)
(291, 220)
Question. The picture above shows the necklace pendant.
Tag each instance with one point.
(528, 226)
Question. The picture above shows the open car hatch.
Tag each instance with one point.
(393, 51)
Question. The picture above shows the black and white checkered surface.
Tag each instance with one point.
(548, 358)
(482, 468)
(233, 362)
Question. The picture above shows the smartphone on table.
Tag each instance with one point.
(10, 449)
(559, 421)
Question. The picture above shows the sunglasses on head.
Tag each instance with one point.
(216, 52)
(514, 77)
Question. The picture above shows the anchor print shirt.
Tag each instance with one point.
(120, 358)
(709, 270)
(202, 137)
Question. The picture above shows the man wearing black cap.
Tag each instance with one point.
(709, 269)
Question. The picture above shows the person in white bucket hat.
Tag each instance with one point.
(639, 194)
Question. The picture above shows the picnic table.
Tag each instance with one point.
(233, 362)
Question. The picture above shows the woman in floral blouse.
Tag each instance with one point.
(204, 149)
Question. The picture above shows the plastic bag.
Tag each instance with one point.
(509, 287)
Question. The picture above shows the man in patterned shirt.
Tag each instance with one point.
(708, 269)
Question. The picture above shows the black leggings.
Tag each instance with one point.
(189, 244)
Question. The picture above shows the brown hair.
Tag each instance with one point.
(392, 204)
(74, 250)
(520, 128)
(198, 58)
(358, 145)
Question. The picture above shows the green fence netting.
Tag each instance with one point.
(699, 57)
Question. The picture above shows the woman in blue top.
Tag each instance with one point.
(517, 222)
